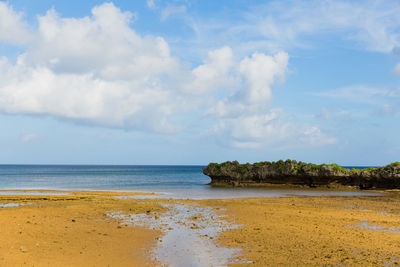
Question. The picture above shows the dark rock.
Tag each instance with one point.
(300, 173)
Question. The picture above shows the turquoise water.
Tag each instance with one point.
(168, 181)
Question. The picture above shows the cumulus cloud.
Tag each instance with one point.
(103, 44)
(260, 72)
(256, 74)
(12, 27)
(86, 99)
(214, 73)
(247, 117)
(98, 70)
(94, 69)
(268, 130)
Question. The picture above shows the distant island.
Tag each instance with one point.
(291, 172)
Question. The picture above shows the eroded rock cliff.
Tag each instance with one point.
(300, 173)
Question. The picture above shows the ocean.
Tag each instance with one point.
(167, 181)
(100, 177)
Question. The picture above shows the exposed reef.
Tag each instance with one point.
(292, 172)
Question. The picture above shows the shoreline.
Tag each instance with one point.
(270, 231)
(209, 192)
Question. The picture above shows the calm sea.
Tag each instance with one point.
(100, 177)
(171, 181)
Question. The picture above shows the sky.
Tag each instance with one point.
(191, 82)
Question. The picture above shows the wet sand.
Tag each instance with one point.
(103, 229)
(315, 231)
(73, 230)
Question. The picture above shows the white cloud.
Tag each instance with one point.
(246, 120)
(98, 70)
(269, 130)
(95, 70)
(367, 102)
(103, 44)
(251, 130)
(256, 74)
(335, 114)
(260, 72)
(355, 93)
(12, 28)
(213, 74)
(372, 25)
(82, 97)
(312, 135)
(361, 94)
(396, 69)
(151, 4)
(172, 10)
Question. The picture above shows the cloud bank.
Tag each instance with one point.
(98, 70)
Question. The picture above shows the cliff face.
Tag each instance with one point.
(300, 173)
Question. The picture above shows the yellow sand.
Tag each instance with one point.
(74, 230)
(316, 231)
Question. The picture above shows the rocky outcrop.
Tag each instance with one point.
(300, 173)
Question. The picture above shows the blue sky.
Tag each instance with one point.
(189, 82)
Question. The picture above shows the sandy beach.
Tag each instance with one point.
(188, 133)
(73, 230)
(78, 228)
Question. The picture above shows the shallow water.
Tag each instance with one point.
(228, 193)
(366, 226)
(7, 192)
(13, 204)
(9, 205)
(189, 234)
(180, 182)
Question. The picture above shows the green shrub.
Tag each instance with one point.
(298, 166)
(241, 170)
(217, 166)
(261, 163)
(314, 167)
(337, 168)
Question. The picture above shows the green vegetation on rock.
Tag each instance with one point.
(299, 167)
(301, 173)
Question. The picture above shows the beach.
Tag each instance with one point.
(72, 230)
(199, 133)
(98, 228)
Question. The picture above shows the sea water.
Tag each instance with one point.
(166, 181)
(184, 242)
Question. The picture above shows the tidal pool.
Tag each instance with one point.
(36, 193)
(2, 205)
(229, 193)
(366, 226)
(189, 237)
